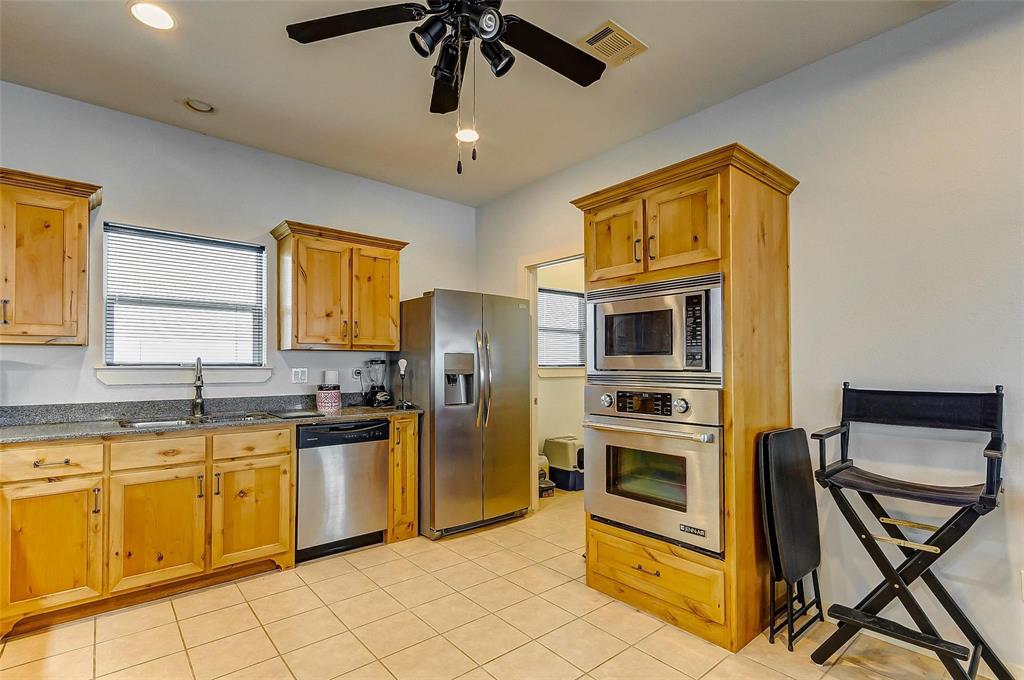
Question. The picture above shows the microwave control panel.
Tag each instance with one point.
(695, 337)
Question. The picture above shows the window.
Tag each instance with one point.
(561, 328)
(169, 298)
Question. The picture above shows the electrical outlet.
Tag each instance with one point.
(357, 373)
(300, 375)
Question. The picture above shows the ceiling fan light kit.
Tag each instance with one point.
(449, 27)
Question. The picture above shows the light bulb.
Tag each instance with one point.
(468, 135)
(152, 15)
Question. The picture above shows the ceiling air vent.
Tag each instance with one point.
(612, 44)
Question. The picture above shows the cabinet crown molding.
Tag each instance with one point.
(289, 227)
(734, 154)
(58, 185)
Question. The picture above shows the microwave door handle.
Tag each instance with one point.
(703, 437)
(479, 380)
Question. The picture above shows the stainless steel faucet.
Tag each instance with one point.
(198, 407)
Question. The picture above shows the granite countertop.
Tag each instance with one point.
(16, 434)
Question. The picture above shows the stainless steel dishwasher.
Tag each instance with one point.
(342, 487)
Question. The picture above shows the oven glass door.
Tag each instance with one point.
(656, 477)
(647, 476)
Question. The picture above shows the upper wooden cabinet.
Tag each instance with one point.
(336, 289)
(672, 222)
(44, 258)
(682, 223)
(614, 241)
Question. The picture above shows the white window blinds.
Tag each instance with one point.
(561, 328)
(169, 298)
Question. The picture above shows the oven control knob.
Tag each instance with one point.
(606, 399)
(681, 405)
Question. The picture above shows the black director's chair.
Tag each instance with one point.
(942, 410)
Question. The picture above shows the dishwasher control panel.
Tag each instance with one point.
(338, 434)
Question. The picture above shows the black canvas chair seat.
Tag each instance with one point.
(858, 479)
(979, 412)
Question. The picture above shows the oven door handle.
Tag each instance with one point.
(702, 437)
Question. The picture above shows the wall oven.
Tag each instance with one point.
(653, 462)
(667, 332)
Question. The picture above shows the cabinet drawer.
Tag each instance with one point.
(689, 586)
(251, 443)
(45, 462)
(163, 451)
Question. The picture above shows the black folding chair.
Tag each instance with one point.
(942, 410)
(790, 516)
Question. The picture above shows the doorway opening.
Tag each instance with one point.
(559, 369)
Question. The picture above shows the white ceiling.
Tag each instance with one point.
(359, 103)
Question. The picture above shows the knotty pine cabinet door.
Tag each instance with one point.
(684, 224)
(403, 479)
(251, 504)
(157, 526)
(615, 241)
(51, 548)
(323, 292)
(44, 254)
(375, 304)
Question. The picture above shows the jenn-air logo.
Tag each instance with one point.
(687, 529)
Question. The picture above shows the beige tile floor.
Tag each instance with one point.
(506, 603)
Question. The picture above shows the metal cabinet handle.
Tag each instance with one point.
(199, 478)
(216, 483)
(650, 247)
(96, 501)
(4, 304)
(640, 568)
(636, 251)
(344, 329)
(356, 333)
(39, 463)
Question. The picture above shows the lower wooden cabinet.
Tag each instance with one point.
(157, 526)
(403, 479)
(252, 508)
(51, 550)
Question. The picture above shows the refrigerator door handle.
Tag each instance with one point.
(480, 380)
(490, 379)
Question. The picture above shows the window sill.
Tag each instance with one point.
(561, 372)
(181, 375)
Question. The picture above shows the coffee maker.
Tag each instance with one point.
(376, 394)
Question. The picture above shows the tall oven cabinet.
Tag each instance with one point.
(724, 214)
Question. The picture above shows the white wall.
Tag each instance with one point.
(560, 391)
(161, 176)
(906, 255)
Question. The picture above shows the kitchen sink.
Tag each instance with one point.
(196, 420)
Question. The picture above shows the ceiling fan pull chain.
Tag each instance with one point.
(475, 128)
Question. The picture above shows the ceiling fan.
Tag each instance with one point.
(451, 26)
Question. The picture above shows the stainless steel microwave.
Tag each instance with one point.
(666, 332)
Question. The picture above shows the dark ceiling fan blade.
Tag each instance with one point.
(552, 51)
(445, 98)
(353, 22)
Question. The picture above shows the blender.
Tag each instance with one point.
(376, 394)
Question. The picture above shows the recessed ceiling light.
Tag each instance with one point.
(199, 106)
(152, 15)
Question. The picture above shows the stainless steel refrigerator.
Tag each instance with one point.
(469, 369)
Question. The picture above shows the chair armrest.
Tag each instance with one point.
(821, 436)
(996, 448)
(829, 432)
